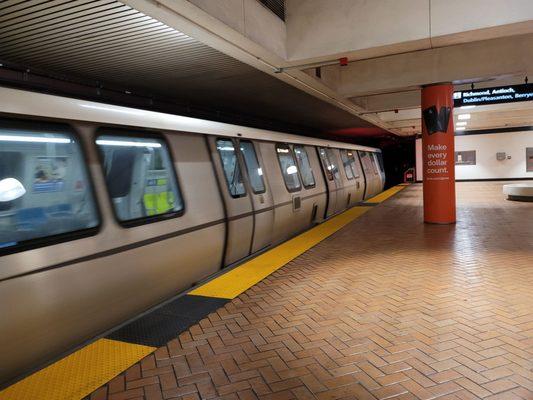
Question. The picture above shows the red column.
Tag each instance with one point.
(438, 154)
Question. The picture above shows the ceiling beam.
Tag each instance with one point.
(195, 22)
(459, 64)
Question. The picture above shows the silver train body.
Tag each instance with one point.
(68, 285)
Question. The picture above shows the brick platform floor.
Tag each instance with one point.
(386, 308)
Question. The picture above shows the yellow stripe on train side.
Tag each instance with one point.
(80, 373)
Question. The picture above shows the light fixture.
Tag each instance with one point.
(461, 123)
(463, 116)
(125, 143)
(460, 128)
(33, 139)
(291, 170)
(117, 110)
(11, 189)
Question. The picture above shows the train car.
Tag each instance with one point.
(107, 211)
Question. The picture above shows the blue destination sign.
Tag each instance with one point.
(495, 95)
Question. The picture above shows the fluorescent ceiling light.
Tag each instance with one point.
(460, 128)
(33, 139)
(466, 107)
(463, 116)
(126, 143)
(462, 123)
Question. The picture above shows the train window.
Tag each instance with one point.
(325, 163)
(333, 163)
(304, 165)
(373, 163)
(379, 157)
(289, 170)
(45, 193)
(140, 178)
(365, 160)
(255, 173)
(232, 169)
(346, 162)
(353, 163)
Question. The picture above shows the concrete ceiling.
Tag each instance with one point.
(112, 43)
(238, 56)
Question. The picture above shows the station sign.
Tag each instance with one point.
(494, 95)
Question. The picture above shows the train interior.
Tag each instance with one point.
(49, 190)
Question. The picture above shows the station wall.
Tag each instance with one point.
(486, 146)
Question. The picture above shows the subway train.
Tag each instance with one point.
(107, 211)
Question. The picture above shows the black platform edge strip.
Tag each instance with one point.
(367, 204)
(163, 324)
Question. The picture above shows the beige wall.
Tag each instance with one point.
(514, 144)
(316, 28)
(319, 27)
(250, 18)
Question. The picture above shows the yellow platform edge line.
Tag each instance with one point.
(82, 372)
(78, 374)
(243, 277)
(386, 194)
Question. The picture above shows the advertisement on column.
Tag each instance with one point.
(438, 154)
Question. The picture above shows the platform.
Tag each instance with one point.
(386, 307)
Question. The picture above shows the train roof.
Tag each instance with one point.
(23, 102)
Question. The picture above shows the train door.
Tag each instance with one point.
(237, 199)
(332, 179)
(358, 174)
(364, 157)
(378, 158)
(344, 185)
(261, 196)
(353, 186)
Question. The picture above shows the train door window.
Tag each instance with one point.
(232, 169)
(289, 170)
(365, 161)
(347, 164)
(379, 157)
(304, 165)
(255, 173)
(325, 163)
(140, 178)
(353, 163)
(373, 163)
(333, 163)
(45, 193)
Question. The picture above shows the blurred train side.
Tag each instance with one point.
(56, 296)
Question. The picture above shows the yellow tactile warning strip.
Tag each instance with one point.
(78, 374)
(85, 370)
(241, 278)
(386, 194)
